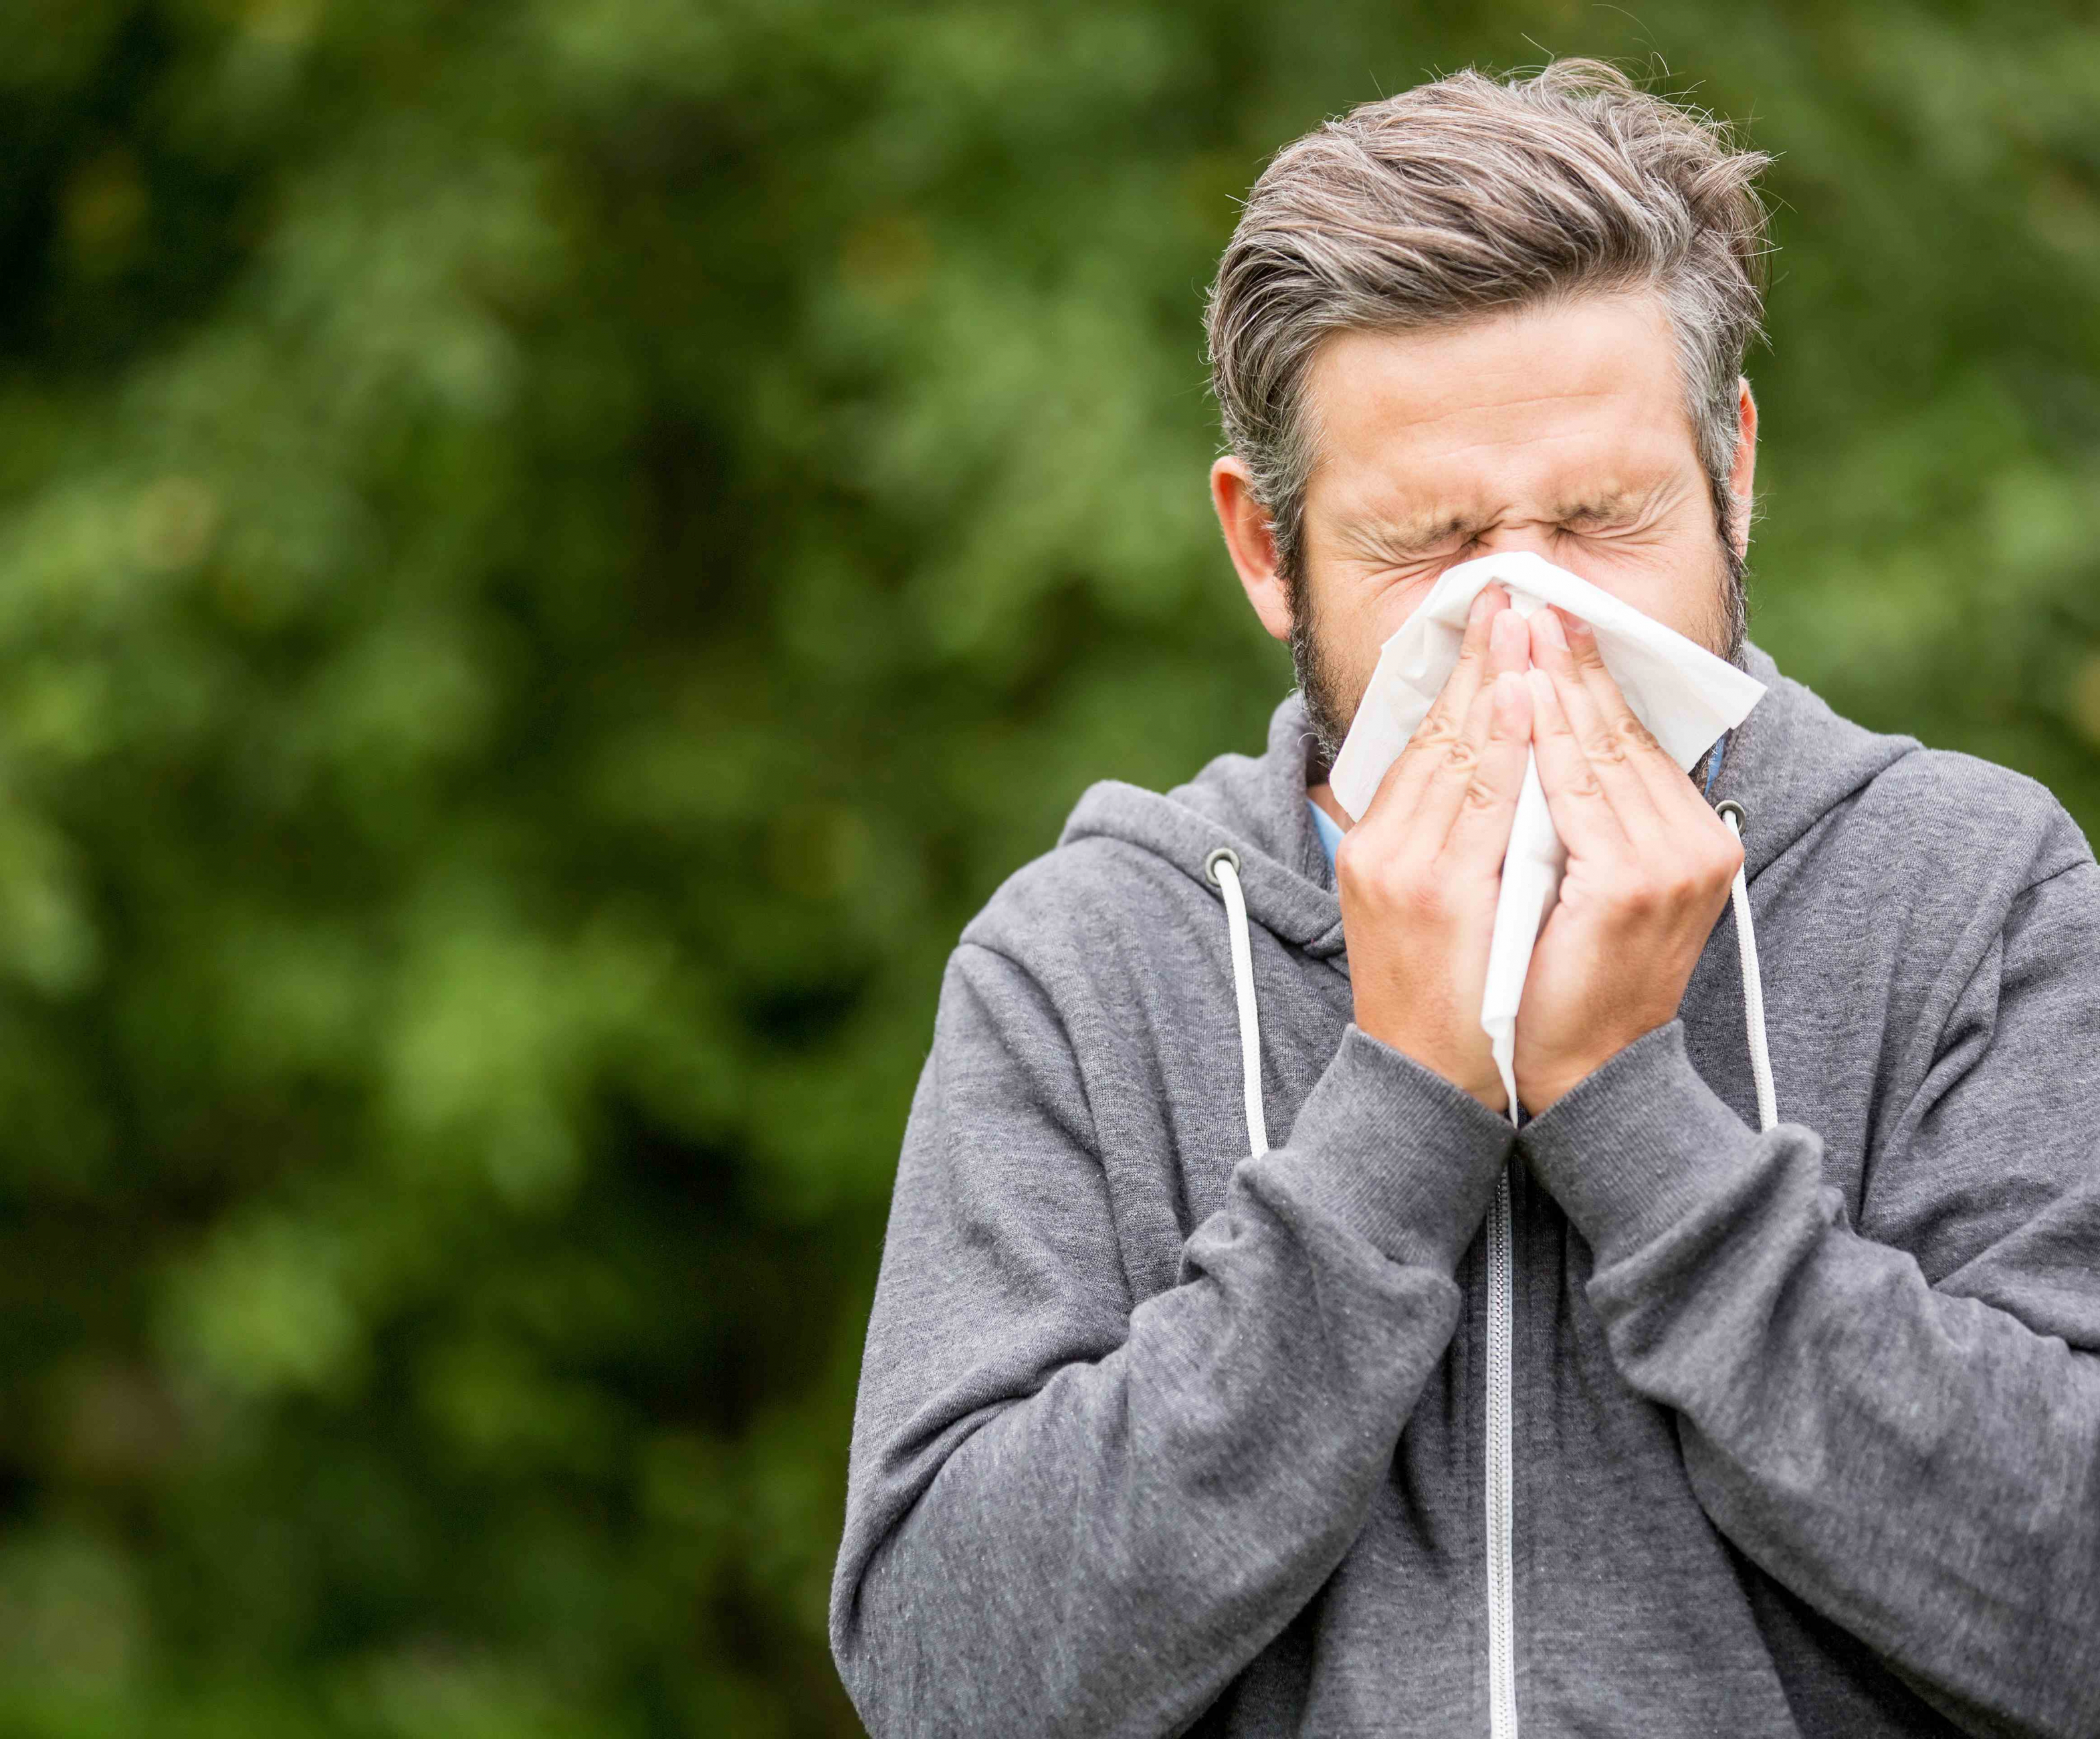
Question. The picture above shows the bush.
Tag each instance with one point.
(550, 556)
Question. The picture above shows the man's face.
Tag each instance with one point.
(1563, 431)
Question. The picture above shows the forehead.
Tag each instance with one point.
(1524, 411)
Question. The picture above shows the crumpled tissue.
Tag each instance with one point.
(1684, 695)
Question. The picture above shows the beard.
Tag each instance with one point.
(1331, 695)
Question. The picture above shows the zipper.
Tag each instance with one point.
(1501, 1655)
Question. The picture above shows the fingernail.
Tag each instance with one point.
(1508, 631)
(1546, 624)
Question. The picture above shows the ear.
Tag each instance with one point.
(1251, 543)
(1742, 477)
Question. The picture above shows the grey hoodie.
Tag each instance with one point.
(1155, 1436)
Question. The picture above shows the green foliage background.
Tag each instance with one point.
(551, 555)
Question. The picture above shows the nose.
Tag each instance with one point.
(1528, 535)
(1537, 538)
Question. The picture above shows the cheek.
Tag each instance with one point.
(1378, 605)
(1677, 581)
(1355, 615)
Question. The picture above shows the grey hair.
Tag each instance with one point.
(1472, 195)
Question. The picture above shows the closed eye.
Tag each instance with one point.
(1620, 513)
(1603, 525)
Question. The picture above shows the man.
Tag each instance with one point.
(1606, 1414)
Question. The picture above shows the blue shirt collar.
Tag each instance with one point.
(1330, 831)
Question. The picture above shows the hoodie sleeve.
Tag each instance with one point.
(1901, 1423)
(1072, 1511)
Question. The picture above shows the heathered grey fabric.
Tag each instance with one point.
(1155, 1438)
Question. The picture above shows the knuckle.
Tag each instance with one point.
(1454, 759)
(1388, 885)
(1424, 900)
(1481, 795)
(1350, 869)
(1715, 858)
(1399, 885)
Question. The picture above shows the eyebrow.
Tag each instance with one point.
(1401, 538)
(1610, 504)
(1392, 539)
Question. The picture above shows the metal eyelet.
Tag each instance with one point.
(1224, 854)
(1728, 807)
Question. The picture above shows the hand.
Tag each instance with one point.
(1649, 866)
(1420, 870)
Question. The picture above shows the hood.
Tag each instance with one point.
(1790, 763)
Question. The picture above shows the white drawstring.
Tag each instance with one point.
(1222, 868)
(1753, 983)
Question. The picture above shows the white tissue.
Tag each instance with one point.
(1684, 695)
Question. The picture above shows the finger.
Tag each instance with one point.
(1509, 644)
(1440, 735)
(1594, 730)
(1687, 838)
(1454, 774)
(1445, 793)
(1582, 815)
(1480, 832)
(1665, 780)
(1454, 700)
